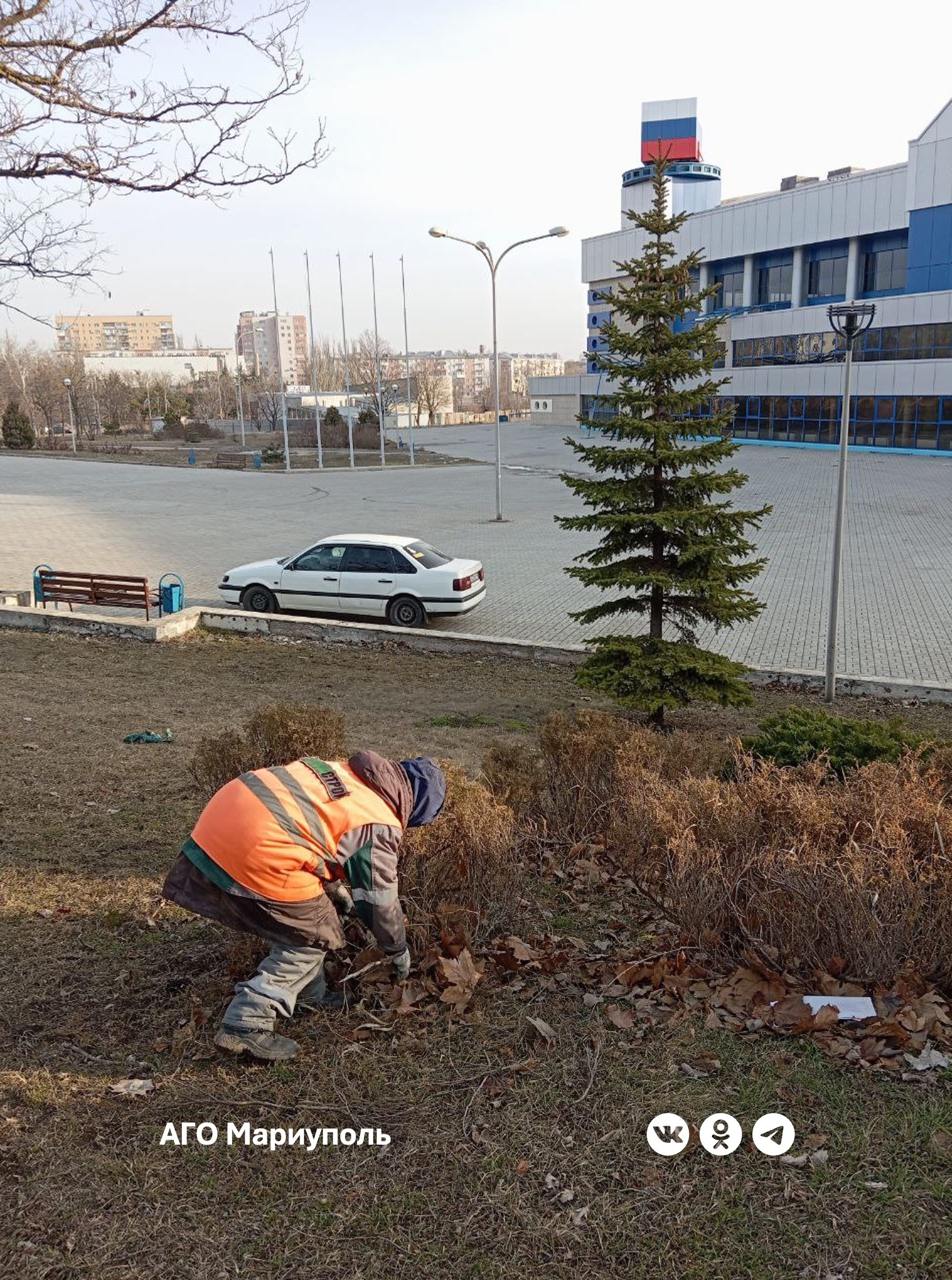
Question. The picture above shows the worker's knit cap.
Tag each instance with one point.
(428, 785)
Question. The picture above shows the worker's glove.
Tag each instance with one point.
(340, 897)
(401, 965)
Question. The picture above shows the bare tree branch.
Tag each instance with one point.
(83, 113)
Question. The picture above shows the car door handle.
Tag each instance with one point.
(390, 580)
(330, 579)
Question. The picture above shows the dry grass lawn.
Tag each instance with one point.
(511, 1157)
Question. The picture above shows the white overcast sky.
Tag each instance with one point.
(498, 120)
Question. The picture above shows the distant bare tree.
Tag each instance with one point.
(364, 355)
(328, 365)
(77, 120)
(431, 388)
(262, 398)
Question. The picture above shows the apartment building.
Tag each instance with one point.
(180, 366)
(470, 374)
(777, 259)
(265, 342)
(139, 332)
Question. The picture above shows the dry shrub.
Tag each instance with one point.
(582, 755)
(465, 858)
(513, 772)
(274, 734)
(816, 870)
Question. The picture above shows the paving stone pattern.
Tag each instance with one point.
(896, 616)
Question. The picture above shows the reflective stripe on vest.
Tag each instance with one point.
(276, 830)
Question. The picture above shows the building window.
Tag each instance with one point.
(827, 278)
(886, 342)
(729, 280)
(773, 282)
(884, 265)
(881, 422)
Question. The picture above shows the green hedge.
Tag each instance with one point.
(800, 734)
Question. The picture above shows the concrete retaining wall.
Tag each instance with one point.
(97, 624)
(285, 628)
(368, 635)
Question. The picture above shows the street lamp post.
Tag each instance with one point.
(373, 282)
(68, 384)
(849, 320)
(406, 348)
(277, 349)
(493, 263)
(343, 330)
(241, 411)
(317, 408)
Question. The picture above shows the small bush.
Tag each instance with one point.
(464, 859)
(514, 774)
(272, 735)
(580, 760)
(800, 734)
(189, 432)
(810, 868)
(17, 428)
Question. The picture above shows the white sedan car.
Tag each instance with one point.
(403, 580)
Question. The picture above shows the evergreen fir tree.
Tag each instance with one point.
(672, 547)
(17, 428)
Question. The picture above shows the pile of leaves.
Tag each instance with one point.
(911, 1035)
(637, 992)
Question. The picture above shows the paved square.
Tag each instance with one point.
(896, 618)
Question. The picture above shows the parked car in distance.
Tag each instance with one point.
(401, 579)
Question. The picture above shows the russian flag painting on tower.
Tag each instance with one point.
(670, 128)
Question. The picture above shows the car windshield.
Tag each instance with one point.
(426, 555)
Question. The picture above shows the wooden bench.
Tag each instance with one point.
(236, 461)
(118, 591)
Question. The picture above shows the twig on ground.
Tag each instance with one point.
(592, 1068)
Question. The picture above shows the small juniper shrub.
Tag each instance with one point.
(464, 859)
(813, 869)
(274, 734)
(799, 734)
(569, 787)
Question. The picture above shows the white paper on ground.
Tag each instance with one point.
(850, 1007)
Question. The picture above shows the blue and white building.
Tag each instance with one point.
(777, 260)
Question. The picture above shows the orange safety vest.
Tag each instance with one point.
(275, 830)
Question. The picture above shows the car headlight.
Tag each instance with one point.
(224, 577)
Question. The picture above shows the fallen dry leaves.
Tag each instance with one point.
(910, 1037)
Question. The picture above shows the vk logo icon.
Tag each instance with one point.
(668, 1134)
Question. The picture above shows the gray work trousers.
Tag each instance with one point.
(285, 976)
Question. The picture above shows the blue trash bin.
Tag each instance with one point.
(171, 593)
(37, 584)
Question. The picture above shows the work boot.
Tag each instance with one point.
(266, 1046)
(316, 996)
(329, 1002)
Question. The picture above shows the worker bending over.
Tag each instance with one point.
(268, 851)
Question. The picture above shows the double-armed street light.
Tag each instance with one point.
(493, 263)
(849, 320)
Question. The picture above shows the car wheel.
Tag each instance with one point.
(406, 612)
(258, 600)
